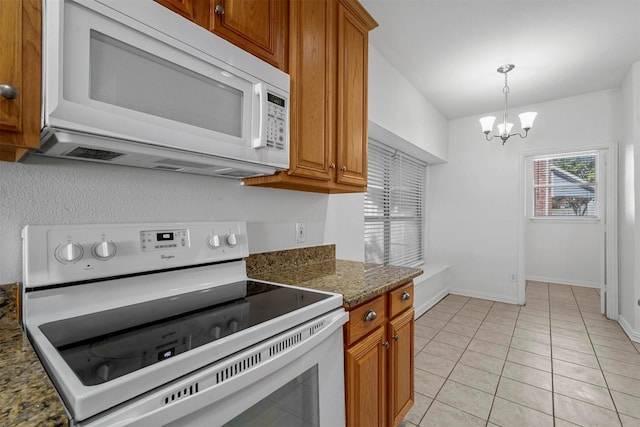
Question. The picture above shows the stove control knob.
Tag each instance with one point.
(215, 332)
(104, 250)
(214, 241)
(233, 326)
(232, 240)
(70, 252)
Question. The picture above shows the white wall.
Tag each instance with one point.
(629, 203)
(52, 191)
(474, 198)
(400, 110)
(401, 117)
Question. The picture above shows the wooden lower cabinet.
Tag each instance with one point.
(401, 366)
(366, 381)
(379, 363)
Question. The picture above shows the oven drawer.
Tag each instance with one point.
(365, 319)
(400, 299)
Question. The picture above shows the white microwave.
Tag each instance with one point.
(132, 83)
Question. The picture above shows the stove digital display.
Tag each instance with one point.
(164, 236)
(102, 346)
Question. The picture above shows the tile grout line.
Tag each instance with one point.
(598, 361)
(553, 388)
(458, 361)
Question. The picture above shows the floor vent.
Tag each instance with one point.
(284, 344)
(229, 372)
(180, 394)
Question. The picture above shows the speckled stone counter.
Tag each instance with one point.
(27, 397)
(317, 268)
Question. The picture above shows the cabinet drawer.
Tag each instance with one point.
(400, 299)
(359, 326)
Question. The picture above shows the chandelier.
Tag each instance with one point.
(526, 119)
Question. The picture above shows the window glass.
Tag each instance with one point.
(565, 186)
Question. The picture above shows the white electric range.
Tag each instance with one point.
(158, 324)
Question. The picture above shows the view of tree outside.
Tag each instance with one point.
(565, 186)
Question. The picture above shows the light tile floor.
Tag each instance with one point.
(555, 361)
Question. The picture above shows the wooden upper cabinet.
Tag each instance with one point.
(352, 120)
(260, 27)
(312, 71)
(257, 26)
(20, 29)
(328, 62)
(182, 7)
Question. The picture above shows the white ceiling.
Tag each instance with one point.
(450, 49)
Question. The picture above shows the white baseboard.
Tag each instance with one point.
(563, 281)
(483, 295)
(631, 333)
(422, 308)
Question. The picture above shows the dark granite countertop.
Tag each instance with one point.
(316, 268)
(27, 397)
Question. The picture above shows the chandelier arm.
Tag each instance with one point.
(526, 133)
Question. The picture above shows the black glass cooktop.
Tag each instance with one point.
(106, 345)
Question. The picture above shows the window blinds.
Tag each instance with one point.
(393, 207)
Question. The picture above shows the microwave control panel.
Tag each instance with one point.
(276, 122)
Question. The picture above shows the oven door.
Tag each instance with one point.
(293, 379)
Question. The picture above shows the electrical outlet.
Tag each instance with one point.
(301, 232)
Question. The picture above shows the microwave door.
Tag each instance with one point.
(114, 76)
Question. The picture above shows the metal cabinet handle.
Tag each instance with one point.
(8, 91)
(219, 9)
(343, 169)
(385, 344)
(405, 296)
(395, 337)
(370, 316)
(332, 166)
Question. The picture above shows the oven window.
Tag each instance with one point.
(296, 404)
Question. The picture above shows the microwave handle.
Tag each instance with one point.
(259, 92)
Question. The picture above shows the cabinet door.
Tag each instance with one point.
(352, 98)
(257, 26)
(366, 381)
(312, 70)
(182, 7)
(20, 24)
(400, 366)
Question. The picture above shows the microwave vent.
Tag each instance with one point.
(179, 164)
(235, 173)
(93, 154)
(166, 168)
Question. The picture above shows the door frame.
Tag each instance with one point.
(609, 256)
